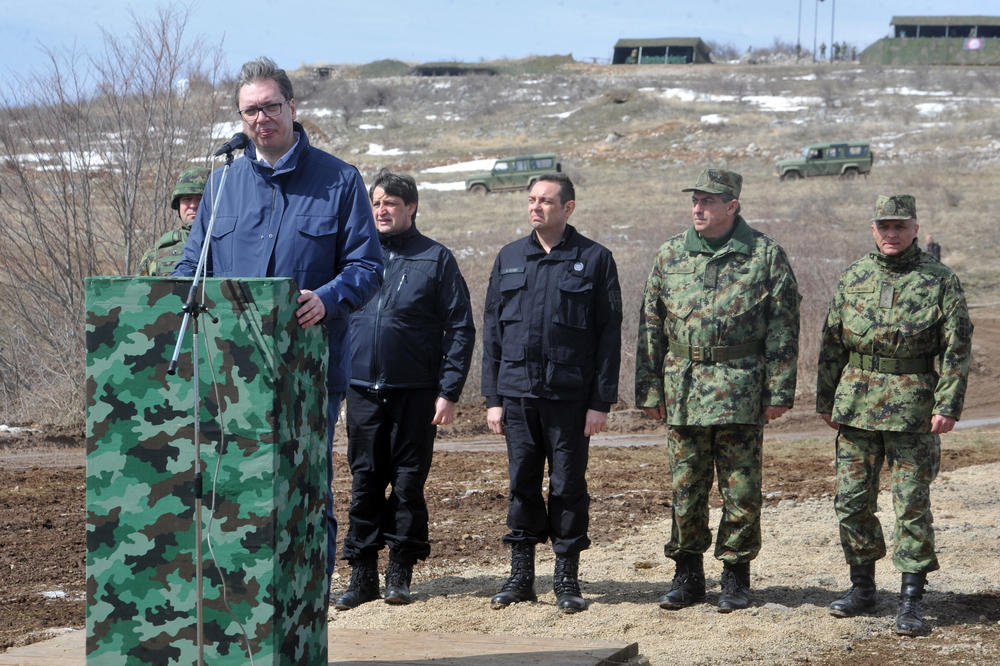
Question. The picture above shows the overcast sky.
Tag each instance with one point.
(295, 33)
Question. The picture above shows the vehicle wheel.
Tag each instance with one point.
(850, 174)
(791, 175)
(479, 189)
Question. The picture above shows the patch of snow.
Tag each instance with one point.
(714, 119)
(474, 165)
(227, 129)
(442, 187)
(367, 126)
(379, 149)
(13, 430)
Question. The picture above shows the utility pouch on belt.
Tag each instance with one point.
(714, 354)
(892, 366)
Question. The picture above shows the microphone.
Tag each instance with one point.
(239, 140)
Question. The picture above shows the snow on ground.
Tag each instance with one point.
(368, 126)
(443, 187)
(714, 119)
(227, 129)
(380, 150)
(767, 102)
(473, 165)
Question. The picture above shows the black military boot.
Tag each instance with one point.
(735, 587)
(861, 596)
(688, 586)
(910, 621)
(363, 586)
(397, 580)
(566, 584)
(521, 584)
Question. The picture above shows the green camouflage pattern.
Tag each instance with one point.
(191, 181)
(914, 459)
(159, 260)
(735, 450)
(266, 482)
(902, 306)
(718, 181)
(895, 207)
(743, 293)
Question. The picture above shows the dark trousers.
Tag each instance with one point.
(390, 442)
(540, 431)
(332, 413)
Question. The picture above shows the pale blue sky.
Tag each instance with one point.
(294, 33)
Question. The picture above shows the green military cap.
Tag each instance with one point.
(191, 181)
(895, 207)
(718, 181)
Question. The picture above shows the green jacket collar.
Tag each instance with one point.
(742, 240)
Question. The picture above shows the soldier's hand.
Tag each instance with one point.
(494, 419)
(941, 424)
(596, 422)
(828, 419)
(444, 411)
(312, 311)
(772, 412)
(657, 413)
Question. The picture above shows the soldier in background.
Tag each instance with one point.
(160, 259)
(716, 357)
(895, 311)
(932, 247)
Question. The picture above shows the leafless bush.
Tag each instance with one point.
(90, 152)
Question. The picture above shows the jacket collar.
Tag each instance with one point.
(250, 152)
(395, 241)
(564, 247)
(742, 240)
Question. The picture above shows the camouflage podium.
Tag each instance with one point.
(263, 458)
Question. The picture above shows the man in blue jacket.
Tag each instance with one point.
(551, 352)
(411, 347)
(291, 210)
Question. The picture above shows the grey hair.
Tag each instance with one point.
(726, 198)
(261, 69)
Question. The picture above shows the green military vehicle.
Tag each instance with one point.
(512, 173)
(846, 159)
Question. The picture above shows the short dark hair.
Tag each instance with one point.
(261, 69)
(726, 198)
(566, 190)
(398, 185)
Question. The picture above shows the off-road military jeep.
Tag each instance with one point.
(512, 173)
(846, 159)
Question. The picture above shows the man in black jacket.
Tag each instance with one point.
(411, 347)
(551, 352)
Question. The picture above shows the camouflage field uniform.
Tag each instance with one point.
(718, 342)
(159, 260)
(889, 319)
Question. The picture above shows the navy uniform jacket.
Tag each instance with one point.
(418, 332)
(552, 323)
(310, 220)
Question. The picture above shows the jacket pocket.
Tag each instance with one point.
(317, 242)
(511, 296)
(919, 330)
(513, 376)
(223, 244)
(575, 296)
(564, 369)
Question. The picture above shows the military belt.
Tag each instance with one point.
(892, 366)
(714, 354)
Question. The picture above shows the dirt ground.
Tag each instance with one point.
(799, 571)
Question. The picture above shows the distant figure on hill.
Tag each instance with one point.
(932, 247)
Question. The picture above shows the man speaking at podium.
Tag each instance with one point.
(292, 210)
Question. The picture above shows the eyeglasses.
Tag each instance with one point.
(270, 110)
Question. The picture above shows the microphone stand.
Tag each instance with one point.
(192, 308)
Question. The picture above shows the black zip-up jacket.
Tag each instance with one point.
(552, 323)
(418, 332)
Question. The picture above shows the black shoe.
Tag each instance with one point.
(910, 621)
(566, 584)
(521, 584)
(735, 587)
(861, 597)
(397, 581)
(688, 586)
(363, 586)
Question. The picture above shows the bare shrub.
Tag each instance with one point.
(90, 151)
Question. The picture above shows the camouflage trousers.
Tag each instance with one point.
(913, 460)
(734, 453)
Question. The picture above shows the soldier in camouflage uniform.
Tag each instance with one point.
(894, 312)
(716, 357)
(161, 259)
